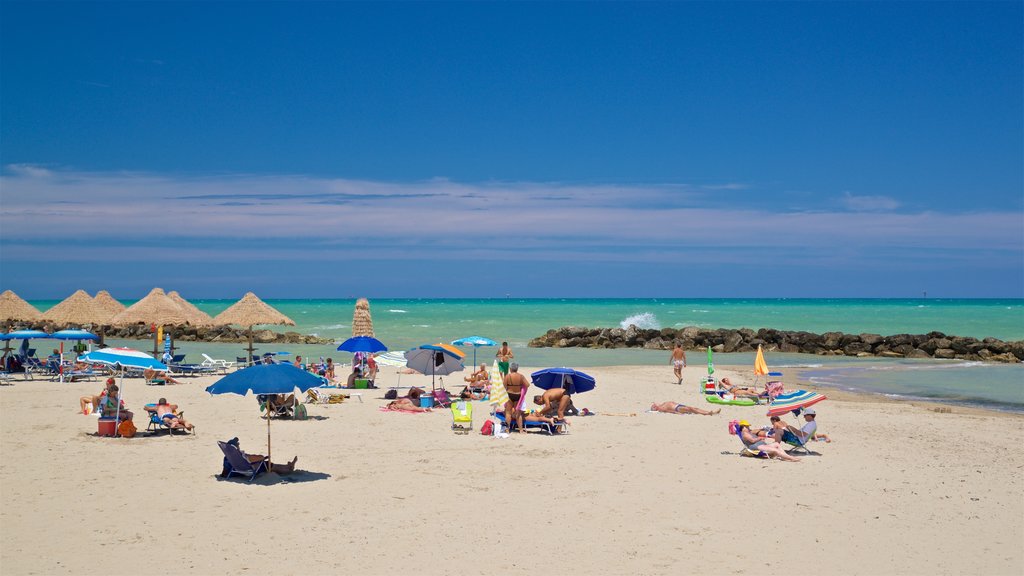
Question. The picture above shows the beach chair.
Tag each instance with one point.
(5, 379)
(442, 398)
(559, 427)
(462, 417)
(237, 463)
(218, 365)
(156, 423)
(284, 411)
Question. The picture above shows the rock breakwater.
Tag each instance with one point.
(189, 333)
(930, 345)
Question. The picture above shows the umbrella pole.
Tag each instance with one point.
(250, 354)
(269, 463)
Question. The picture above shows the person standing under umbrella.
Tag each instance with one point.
(504, 356)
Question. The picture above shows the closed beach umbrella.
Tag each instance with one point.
(794, 400)
(574, 381)
(250, 311)
(475, 342)
(499, 396)
(266, 379)
(711, 362)
(121, 359)
(434, 359)
(13, 308)
(760, 366)
(362, 322)
(367, 344)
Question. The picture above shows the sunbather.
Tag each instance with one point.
(515, 385)
(785, 433)
(278, 401)
(158, 377)
(480, 376)
(755, 444)
(676, 408)
(329, 370)
(356, 374)
(727, 386)
(171, 416)
(95, 400)
(468, 394)
(407, 405)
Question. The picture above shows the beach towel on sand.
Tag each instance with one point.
(386, 409)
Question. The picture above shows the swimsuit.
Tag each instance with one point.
(169, 415)
(503, 367)
(677, 363)
(514, 397)
(678, 406)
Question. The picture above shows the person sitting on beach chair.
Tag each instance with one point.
(757, 446)
(153, 376)
(478, 378)
(111, 408)
(96, 400)
(171, 416)
(255, 459)
(798, 436)
(279, 404)
(676, 408)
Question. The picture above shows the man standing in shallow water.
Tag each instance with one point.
(678, 362)
(504, 356)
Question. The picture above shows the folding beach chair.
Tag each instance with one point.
(237, 463)
(543, 426)
(462, 417)
(441, 398)
(156, 423)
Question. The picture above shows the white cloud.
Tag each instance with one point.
(869, 203)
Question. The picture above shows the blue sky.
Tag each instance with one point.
(686, 149)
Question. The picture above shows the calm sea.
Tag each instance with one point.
(405, 323)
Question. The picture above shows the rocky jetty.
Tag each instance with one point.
(930, 345)
(189, 333)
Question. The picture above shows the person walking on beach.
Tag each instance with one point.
(504, 356)
(678, 361)
(515, 385)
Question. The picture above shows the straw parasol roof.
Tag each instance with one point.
(155, 308)
(250, 310)
(12, 307)
(362, 322)
(107, 302)
(79, 308)
(196, 316)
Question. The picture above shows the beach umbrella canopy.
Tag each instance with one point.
(25, 335)
(196, 317)
(123, 358)
(434, 359)
(393, 359)
(250, 311)
(74, 335)
(367, 344)
(109, 305)
(794, 400)
(266, 379)
(12, 307)
(574, 381)
(711, 362)
(475, 342)
(79, 308)
(362, 322)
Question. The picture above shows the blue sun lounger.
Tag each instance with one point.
(559, 427)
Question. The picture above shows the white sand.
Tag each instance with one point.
(902, 489)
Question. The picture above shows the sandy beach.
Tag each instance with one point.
(901, 490)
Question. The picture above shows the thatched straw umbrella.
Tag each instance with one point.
(196, 316)
(78, 309)
(249, 311)
(156, 308)
(107, 302)
(12, 307)
(362, 322)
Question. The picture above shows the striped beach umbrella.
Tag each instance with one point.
(793, 400)
(498, 393)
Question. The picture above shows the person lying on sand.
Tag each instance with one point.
(407, 405)
(754, 444)
(171, 416)
(676, 408)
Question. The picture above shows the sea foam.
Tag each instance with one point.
(644, 320)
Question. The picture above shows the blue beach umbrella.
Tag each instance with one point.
(74, 335)
(475, 342)
(266, 379)
(574, 381)
(120, 359)
(434, 359)
(25, 335)
(367, 344)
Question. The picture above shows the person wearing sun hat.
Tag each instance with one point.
(786, 433)
(763, 446)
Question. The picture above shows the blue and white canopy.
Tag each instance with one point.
(124, 357)
(25, 335)
(74, 335)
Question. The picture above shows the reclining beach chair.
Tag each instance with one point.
(442, 398)
(284, 411)
(156, 423)
(218, 365)
(237, 463)
(462, 417)
(559, 427)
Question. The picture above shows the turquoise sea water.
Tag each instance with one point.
(404, 323)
